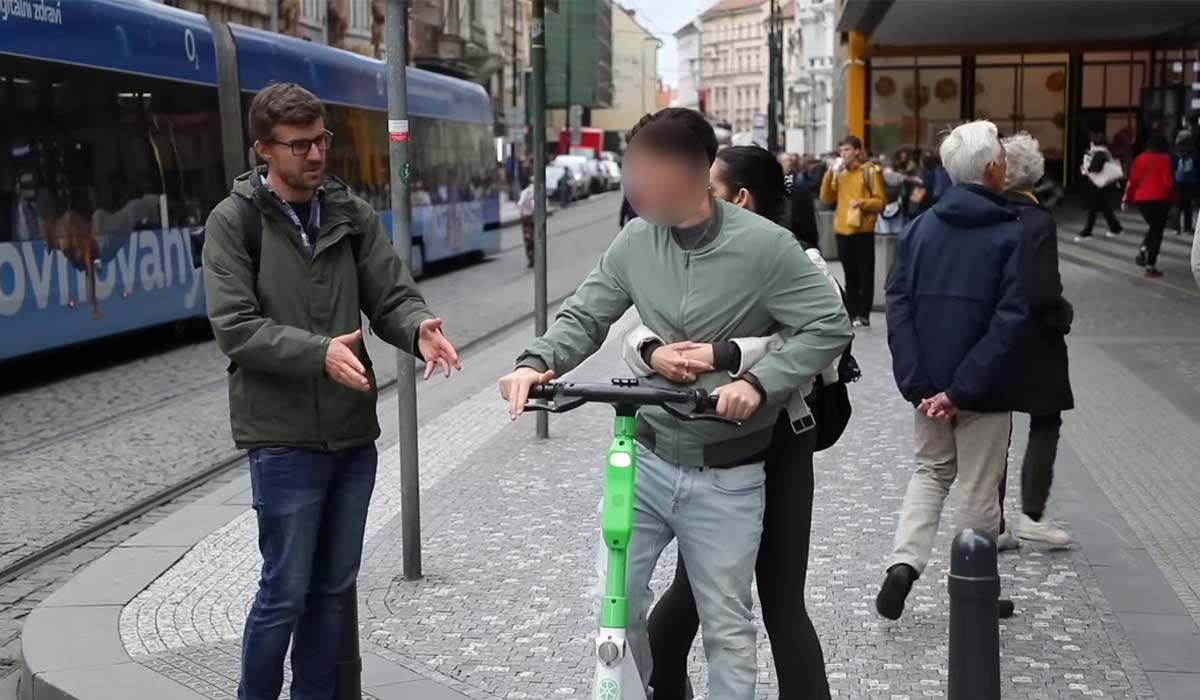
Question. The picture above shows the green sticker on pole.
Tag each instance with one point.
(405, 172)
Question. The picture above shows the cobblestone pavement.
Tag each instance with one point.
(83, 447)
(506, 607)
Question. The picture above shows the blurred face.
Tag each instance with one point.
(663, 189)
(287, 157)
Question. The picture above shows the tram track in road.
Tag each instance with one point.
(215, 469)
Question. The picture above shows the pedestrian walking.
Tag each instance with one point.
(526, 205)
(699, 483)
(1151, 189)
(957, 299)
(748, 177)
(292, 260)
(1185, 163)
(1102, 173)
(857, 188)
(1042, 387)
(1196, 253)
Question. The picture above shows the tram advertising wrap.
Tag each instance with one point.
(111, 155)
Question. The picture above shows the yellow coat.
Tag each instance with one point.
(850, 185)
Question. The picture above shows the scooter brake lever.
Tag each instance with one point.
(685, 411)
(555, 406)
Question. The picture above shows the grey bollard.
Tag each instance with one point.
(974, 621)
(348, 678)
(886, 245)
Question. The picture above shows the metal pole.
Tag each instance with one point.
(537, 53)
(772, 117)
(515, 166)
(348, 671)
(406, 381)
(274, 15)
(974, 618)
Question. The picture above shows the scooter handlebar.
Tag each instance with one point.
(685, 404)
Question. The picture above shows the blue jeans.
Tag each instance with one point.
(716, 515)
(312, 511)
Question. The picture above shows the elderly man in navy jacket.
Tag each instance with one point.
(956, 300)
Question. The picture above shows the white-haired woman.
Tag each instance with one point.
(1042, 387)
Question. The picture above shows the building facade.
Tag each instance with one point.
(816, 80)
(354, 25)
(734, 62)
(1060, 71)
(634, 73)
(687, 42)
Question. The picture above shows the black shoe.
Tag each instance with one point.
(896, 587)
(1140, 258)
(1006, 609)
(865, 321)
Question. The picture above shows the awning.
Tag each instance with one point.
(1014, 24)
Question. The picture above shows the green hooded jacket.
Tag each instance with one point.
(275, 329)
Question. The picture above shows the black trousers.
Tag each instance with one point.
(1189, 198)
(1099, 201)
(1037, 468)
(782, 570)
(1155, 214)
(857, 254)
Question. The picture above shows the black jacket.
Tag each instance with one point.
(957, 298)
(1041, 383)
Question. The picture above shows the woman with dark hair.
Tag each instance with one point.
(1151, 187)
(751, 178)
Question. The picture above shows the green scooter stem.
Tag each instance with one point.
(620, 484)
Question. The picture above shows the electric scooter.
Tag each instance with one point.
(617, 676)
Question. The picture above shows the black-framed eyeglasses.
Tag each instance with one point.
(301, 147)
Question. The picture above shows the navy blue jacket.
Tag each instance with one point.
(957, 297)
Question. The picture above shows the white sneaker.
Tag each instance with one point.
(1042, 531)
(1006, 542)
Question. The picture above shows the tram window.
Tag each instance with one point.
(360, 151)
(87, 154)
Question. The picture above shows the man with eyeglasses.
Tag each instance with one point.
(292, 259)
(957, 298)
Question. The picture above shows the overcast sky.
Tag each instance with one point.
(664, 17)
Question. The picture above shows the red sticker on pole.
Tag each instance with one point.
(398, 130)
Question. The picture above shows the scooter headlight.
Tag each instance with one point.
(620, 459)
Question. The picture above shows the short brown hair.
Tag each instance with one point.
(282, 103)
(676, 131)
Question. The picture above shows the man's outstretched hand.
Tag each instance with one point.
(436, 348)
(515, 386)
(342, 363)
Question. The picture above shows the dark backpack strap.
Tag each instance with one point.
(250, 222)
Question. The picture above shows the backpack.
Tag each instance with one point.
(1185, 170)
(830, 403)
(250, 224)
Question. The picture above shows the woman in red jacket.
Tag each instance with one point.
(1151, 188)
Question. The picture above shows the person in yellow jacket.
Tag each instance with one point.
(857, 188)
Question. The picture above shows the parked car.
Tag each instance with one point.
(562, 185)
(594, 177)
(614, 173)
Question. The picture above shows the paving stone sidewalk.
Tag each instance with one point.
(505, 609)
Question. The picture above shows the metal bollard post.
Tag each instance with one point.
(974, 618)
(348, 679)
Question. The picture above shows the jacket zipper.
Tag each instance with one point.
(313, 252)
(687, 290)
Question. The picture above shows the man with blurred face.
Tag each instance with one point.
(703, 270)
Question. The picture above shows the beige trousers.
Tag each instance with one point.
(972, 449)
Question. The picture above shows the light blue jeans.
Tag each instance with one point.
(716, 515)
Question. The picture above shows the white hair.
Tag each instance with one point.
(967, 151)
(1026, 164)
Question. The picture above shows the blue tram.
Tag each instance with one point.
(122, 123)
